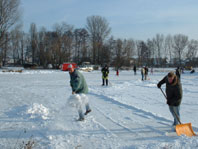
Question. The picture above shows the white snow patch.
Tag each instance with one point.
(38, 111)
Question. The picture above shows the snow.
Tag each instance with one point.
(129, 113)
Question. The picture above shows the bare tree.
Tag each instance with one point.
(119, 54)
(81, 46)
(17, 44)
(158, 41)
(109, 51)
(179, 44)
(168, 45)
(62, 44)
(34, 42)
(84, 45)
(9, 15)
(42, 46)
(99, 29)
(151, 51)
(143, 52)
(68, 46)
(192, 50)
(129, 47)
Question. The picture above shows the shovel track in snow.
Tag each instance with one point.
(133, 123)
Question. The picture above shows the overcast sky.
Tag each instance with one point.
(137, 19)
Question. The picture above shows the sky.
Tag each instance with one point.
(137, 19)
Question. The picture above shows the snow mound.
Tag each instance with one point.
(38, 111)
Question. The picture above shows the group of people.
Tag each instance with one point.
(172, 81)
(144, 73)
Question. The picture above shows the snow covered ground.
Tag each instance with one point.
(127, 114)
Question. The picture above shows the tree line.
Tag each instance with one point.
(93, 43)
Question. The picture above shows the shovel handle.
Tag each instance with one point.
(163, 93)
(173, 110)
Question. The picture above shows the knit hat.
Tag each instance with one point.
(70, 66)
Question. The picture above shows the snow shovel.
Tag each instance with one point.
(182, 129)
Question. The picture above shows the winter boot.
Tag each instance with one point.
(81, 119)
(87, 111)
(81, 115)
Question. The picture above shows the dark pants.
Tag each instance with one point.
(103, 82)
(142, 77)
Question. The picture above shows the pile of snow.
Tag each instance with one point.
(38, 111)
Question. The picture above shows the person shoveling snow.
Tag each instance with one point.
(79, 87)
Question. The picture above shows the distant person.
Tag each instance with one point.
(117, 72)
(142, 73)
(178, 72)
(146, 72)
(152, 70)
(182, 70)
(105, 74)
(134, 69)
(192, 71)
(79, 86)
(173, 94)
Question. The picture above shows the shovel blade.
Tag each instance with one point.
(185, 129)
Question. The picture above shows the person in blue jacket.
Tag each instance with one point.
(79, 86)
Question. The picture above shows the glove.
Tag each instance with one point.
(159, 85)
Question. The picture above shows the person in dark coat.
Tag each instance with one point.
(134, 69)
(173, 94)
(192, 71)
(79, 86)
(105, 74)
(178, 72)
(142, 73)
(146, 72)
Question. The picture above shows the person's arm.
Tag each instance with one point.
(162, 82)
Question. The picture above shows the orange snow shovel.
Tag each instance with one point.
(182, 129)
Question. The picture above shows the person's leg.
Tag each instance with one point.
(80, 112)
(79, 107)
(103, 81)
(106, 82)
(86, 102)
(88, 109)
(177, 109)
(173, 110)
